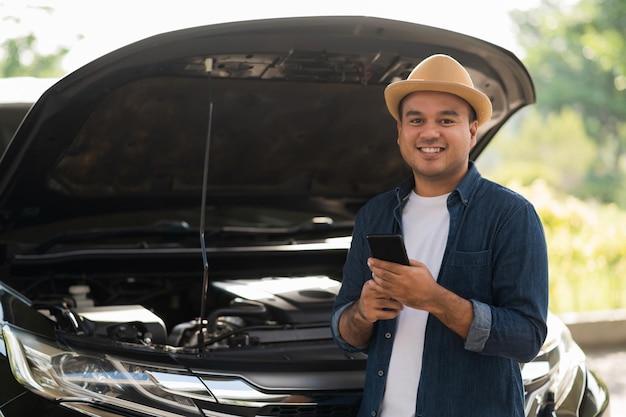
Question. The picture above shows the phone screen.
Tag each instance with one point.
(388, 247)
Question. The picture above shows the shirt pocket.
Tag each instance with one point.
(468, 274)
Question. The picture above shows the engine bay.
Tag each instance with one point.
(244, 313)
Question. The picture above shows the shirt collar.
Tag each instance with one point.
(462, 191)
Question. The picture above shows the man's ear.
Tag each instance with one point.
(398, 128)
(473, 130)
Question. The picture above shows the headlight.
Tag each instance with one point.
(555, 380)
(71, 378)
(106, 385)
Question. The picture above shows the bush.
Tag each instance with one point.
(586, 249)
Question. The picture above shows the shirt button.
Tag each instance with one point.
(387, 335)
(373, 413)
(381, 373)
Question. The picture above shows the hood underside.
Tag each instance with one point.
(293, 109)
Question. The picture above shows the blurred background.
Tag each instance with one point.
(567, 153)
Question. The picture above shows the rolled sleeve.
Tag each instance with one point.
(334, 326)
(480, 327)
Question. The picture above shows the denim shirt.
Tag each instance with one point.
(496, 257)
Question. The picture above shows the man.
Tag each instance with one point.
(445, 335)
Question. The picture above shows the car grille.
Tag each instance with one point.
(309, 410)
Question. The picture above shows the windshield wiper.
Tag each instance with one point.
(314, 224)
(160, 228)
(174, 228)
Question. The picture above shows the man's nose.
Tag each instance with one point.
(430, 131)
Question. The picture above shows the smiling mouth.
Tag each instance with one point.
(431, 150)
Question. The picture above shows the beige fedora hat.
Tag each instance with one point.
(439, 73)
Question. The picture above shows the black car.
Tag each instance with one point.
(175, 215)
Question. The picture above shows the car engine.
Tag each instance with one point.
(249, 312)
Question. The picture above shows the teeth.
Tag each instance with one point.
(431, 150)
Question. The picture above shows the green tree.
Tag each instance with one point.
(532, 147)
(577, 57)
(19, 55)
(20, 58)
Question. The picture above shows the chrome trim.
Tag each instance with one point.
(294, 381)
(235, 391)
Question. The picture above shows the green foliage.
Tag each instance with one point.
(586, 247)
(550, 159)
(20, 58)
(552, 147)
(568, 154)
(577, 57)
(19, 55)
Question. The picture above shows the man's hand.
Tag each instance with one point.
(414, 286)
(376, 303)
(357, 321)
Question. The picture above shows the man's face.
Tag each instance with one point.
(435, 136)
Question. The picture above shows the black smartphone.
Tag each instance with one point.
(388, 247)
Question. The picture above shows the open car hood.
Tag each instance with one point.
(298, 115)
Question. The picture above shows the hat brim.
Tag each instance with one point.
(395, 92)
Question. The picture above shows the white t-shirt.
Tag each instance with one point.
(425, 224)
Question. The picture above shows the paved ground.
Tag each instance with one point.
(610, 365)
